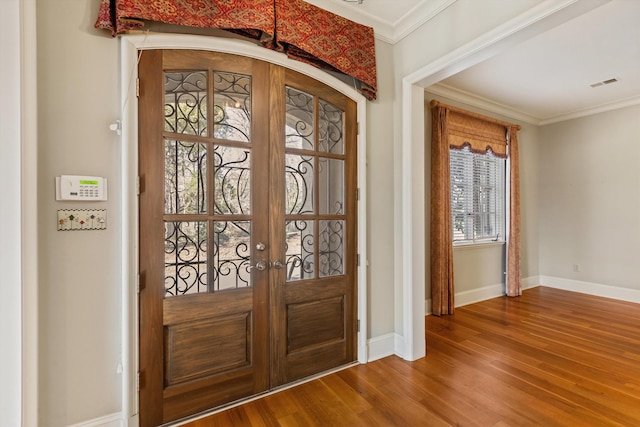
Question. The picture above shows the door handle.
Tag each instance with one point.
(260, 266)
(278, 264)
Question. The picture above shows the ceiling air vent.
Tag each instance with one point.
(604, 82)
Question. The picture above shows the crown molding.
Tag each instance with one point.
(471, 99)
(418, 16)
(386, 31)
(477, 101)
(603, 108)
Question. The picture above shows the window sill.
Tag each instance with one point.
(477, 245)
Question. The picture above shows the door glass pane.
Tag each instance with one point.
(232, 106)
(331, 248)
(331, 186)
(300, 120)
(185, 258)
(231, 255)
(299, 184)
(232, 175)
(185, 102)
(185, 177)
(331, 134)
(300, 250)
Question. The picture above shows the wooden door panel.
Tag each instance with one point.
(314, 323)
(193, 307)
(201, 396)
(205, 347)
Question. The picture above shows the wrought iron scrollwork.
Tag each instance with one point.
(231, 255)
(185, 248)
(300, 122)
(300, 245)
(331, 248)
(330, 128)
(185, 107)
(232, 180)
(232, 106)
(185, 177)
(299, 183)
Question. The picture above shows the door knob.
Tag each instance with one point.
(278, 264)
(260, 266)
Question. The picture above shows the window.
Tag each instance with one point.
(477, 196)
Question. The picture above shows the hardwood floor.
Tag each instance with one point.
(548, 358)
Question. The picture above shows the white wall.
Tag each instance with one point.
(589, 200)
(380, 188)
(80, 289)
(10, 218)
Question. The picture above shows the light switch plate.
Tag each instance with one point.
(82, 219)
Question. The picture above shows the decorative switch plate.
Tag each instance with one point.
(82, 219)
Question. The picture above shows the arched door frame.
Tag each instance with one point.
(130, 45)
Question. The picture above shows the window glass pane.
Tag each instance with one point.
(331, 248)
(185, 258)
(185, 102)
(232, 175)
(185, 177)
(231, 255)
(232, 106)
(299, 184)
(331, 128)
(331, 186)
(477, 196)
(300, 245)
(300, 120)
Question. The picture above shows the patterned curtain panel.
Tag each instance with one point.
(252, 18)
(313, 35)
(303, 31)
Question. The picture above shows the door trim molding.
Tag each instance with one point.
(129, 56)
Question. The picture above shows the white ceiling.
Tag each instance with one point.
(542, 80)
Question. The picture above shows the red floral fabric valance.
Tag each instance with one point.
(303, 31)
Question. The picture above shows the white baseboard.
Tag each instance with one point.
(480, 294)
(383, 346)
(485, 293)
(530, 282)
(600, 290)
(112, 420)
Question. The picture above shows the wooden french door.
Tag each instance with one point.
(247, 230)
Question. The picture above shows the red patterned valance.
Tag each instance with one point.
(303, 31)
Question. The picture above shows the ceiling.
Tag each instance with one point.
(542, 80)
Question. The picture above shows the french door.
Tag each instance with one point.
(247, 230)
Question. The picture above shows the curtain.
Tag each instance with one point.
(442, 297)
(313, 35)
(304, 32)
(477, 133)
(456, 128)
(514, 272)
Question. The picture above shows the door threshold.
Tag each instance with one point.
(239, 402)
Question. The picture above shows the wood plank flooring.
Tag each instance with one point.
(548, 358)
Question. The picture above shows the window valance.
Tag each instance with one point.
(480, 133)
(301, 30)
